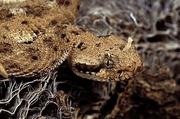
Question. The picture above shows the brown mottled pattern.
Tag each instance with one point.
(35, 38)
(25, 47)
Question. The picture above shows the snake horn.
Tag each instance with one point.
(129, 44)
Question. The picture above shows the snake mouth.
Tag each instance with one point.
(100, 73)
(87, 69)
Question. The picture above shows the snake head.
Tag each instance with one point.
(107, 58)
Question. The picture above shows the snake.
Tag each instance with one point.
(38, 36)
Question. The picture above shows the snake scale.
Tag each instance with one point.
(37, 36)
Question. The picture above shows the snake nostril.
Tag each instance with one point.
(119, 71)
(139, 68)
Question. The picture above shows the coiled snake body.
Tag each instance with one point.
(36, 37)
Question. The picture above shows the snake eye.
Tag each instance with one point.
(110, 60)
(108, 63)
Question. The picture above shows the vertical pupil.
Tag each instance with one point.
(107, 63)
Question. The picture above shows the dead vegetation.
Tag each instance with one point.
(154, 26)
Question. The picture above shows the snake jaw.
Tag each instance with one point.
(101, 73)
(3, 71)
